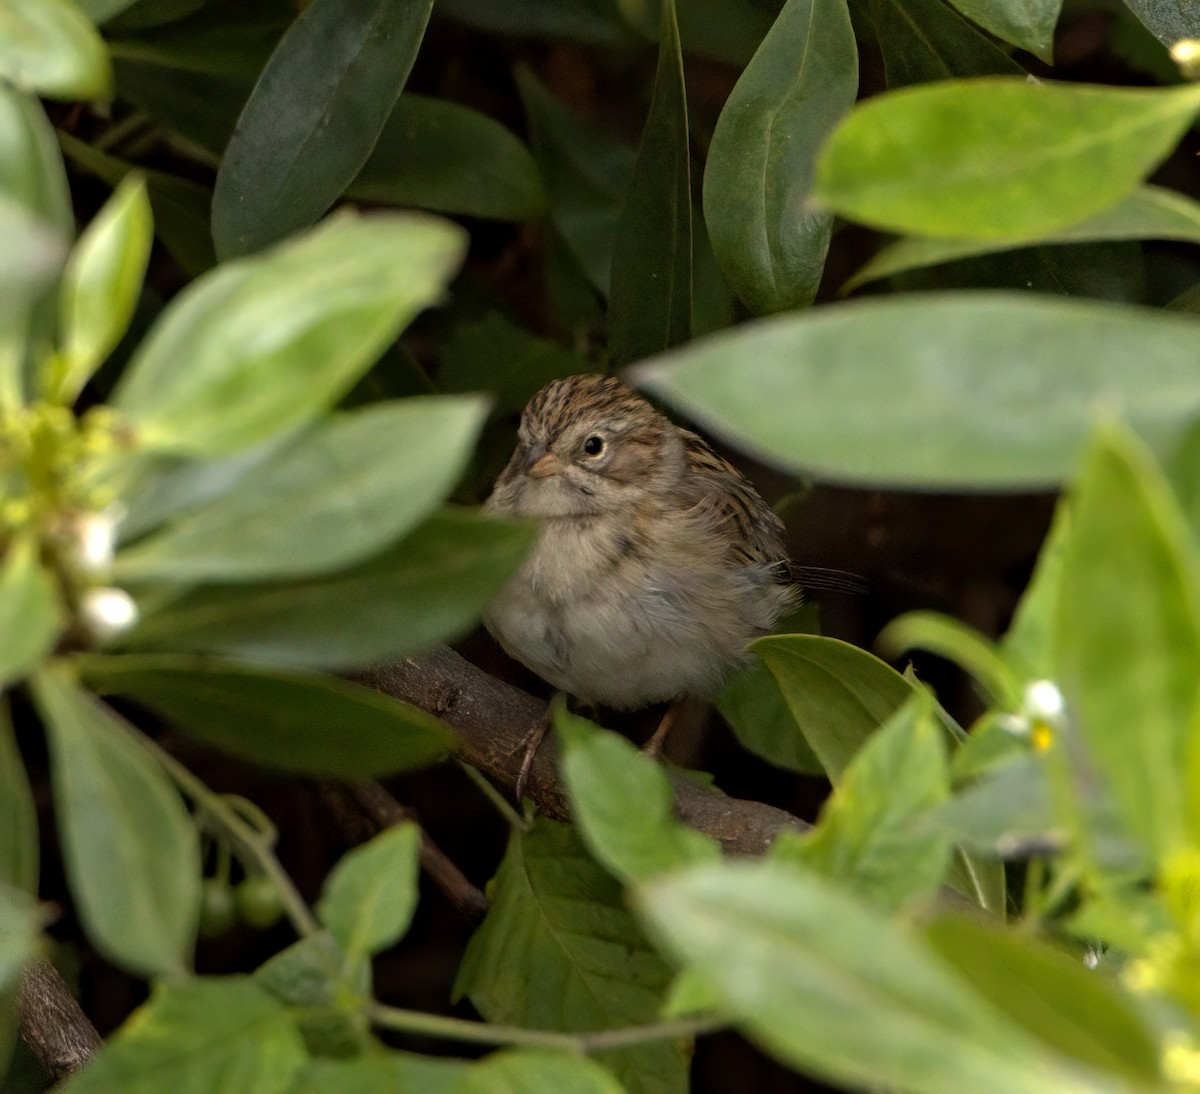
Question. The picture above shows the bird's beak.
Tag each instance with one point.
(543, 465)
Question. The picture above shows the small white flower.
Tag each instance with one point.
(107, 612)
(1044, 702)
(96, 537)
(1186, 54)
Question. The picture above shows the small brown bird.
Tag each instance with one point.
(657, 561)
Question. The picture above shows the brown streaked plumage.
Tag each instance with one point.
(656, 563)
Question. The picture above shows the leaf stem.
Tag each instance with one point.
(499, 802)
(252, 842)
(463, 1029)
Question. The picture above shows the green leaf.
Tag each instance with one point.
(557, 915)
(1028, 645)
(31, 615)
(1150, 212)
(180, 207)
(1025, 23)
(770, 245)
(828, 985)
(338, 494)
(530, 1071)
(1053, 997)
(313, 117)
(762, 721)
(950, 391)
(49, 47)
(131, 853)
(954, 640)
(369, 899)
(837, 694)
(623, 803)
(260, 346)
(585, 171)
(874, 834)
(448, 158)
(1128, 598)
(997, 158)
(430, 588)
(100, 11)
(924, 40)
(280, 719)
(384, 1073)
(20, 930)
(650, 299)
(100, 288)
(204, 1034)
(32, 257)
(18, 815)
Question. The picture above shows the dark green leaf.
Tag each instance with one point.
(50, 48)
(828, 985)
(996, 158)
(1053, 997)
(338, 494)
(130, 849)
(100, 288)
(180, 206)
(31, 615)
(838, 695)
(196, 106)
(556, 914)
(874, 834)
(314, 724)
(313, 117)
(804, 77)
(585, 171)
(430, 588)
(199, 1035)
(757, 712)
(18, 816)
(261, 345)
(1127, 635)
(1150, 212)
(445, 157)
(623, 803)
(100, 11)
(369, 899)
(650, 300)
(1025, 23)
(923, 41)
(594, 21)
(970, 390)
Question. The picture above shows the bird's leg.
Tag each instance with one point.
(529, 746)
(658, 738)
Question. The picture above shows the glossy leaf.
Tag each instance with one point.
(200, 1034)
(995, 158)
(18, 815)
(874, 833)
(585, 171)
(100, 287)
(131, 853)
(1128, 598)
(623, 803)
(31, 614)
(1150, 212)
(279, 719)
(770, 245)
(261, 345)
(775, 942)
(838, 694)
(1052, 997)
(650, 298)
(441, 156)
(555, 910)
(49, 47)
(369, 899)
(924, 40)
(1025, 23)
(340, 493)
(430, 588)
(180, 207)
(313, 117)
(971, 390)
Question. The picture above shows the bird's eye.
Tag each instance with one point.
(594, 445)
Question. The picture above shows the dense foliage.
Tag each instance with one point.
(246, 411)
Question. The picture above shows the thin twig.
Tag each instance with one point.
(52, 1022)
